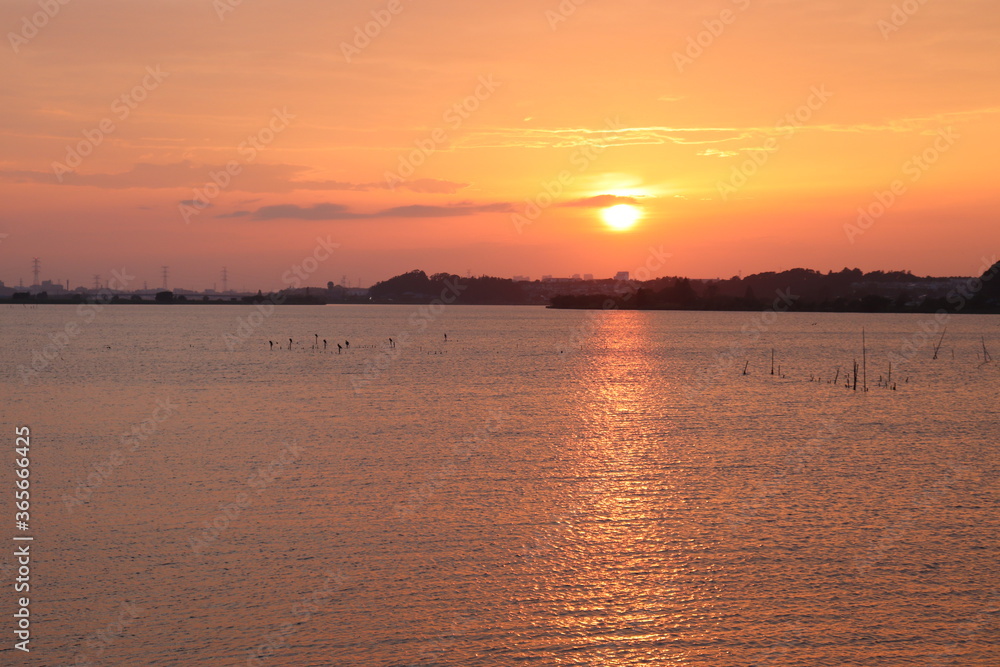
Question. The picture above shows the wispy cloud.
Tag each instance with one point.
(602, 201)
(324, 211)
(251, 177)
(715, 152)
(331, 211)
(573, 137)
(515, 137)
(432, 185)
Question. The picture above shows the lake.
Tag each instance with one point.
(542, 488)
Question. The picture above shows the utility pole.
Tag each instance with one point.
(166, 273)
(36, 267)
(225, 280)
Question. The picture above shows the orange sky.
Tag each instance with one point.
(609, 98)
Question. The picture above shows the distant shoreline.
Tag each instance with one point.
(805, 308)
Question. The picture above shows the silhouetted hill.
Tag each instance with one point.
(416, 287)
(849, 290)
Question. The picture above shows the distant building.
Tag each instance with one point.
(588, 276)
(576, 276)
(546, 279)
(621, 275)
(48, 287)
(522, 279)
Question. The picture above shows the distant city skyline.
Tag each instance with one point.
(343, 281)
(137, 283)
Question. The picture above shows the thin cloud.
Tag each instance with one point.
(602, 201)
(324, 211)
(250, 177)
(519, 137)
(422, 211)
(432, 185)
(330, 211)
(714, 152)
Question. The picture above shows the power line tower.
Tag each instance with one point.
(225, 280)
(166, 274)
(36, 268)
(97, 281)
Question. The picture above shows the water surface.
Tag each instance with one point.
(543, 488)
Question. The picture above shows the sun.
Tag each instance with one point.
(621, 216)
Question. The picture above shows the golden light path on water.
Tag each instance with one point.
(625, 551)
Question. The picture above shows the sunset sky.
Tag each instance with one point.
(747, 134)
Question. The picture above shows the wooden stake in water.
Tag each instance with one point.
(864, 362)
(940, 340)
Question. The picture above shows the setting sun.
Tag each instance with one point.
(621, 217)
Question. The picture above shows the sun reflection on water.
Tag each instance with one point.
(625, 567)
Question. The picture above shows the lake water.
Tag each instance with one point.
(544, 488)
